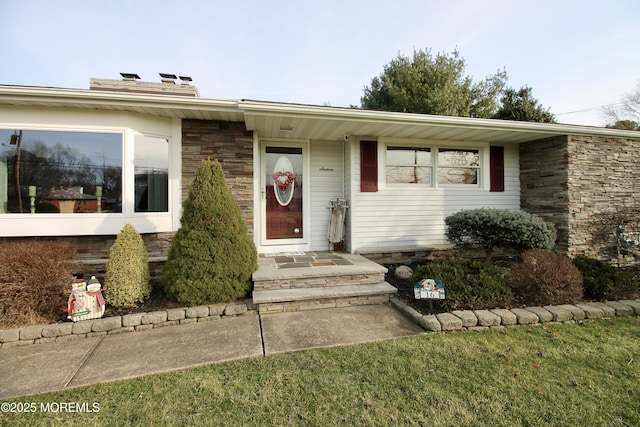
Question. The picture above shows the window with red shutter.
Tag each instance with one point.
(496, 168)
(368, 166)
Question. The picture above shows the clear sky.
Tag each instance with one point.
(576, 55)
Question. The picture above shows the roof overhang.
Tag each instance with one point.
(329, 123)
(171, 106)
(295, 121)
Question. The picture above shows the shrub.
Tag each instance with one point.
(546, 278)
(491, 228)
(212, 256)
(127, 281)
(604, 281)
(35, 281)
(468, 284)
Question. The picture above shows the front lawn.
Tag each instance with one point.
(557, 374)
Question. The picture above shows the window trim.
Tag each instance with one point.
(478, 168)
(434, 146)
(126, 124)
(409, 148)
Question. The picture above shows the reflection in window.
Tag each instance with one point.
(151, 159)
(458, 166)
(60, 171)
(408, 165)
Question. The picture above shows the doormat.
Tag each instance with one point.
(277, 254)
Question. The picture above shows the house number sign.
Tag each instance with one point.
(429, 289)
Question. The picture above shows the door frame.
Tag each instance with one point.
(284, 245)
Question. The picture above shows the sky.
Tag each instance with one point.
(577, 56)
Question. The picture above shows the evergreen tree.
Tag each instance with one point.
(127, 281)
(433, 85)
(212, 256)
(521, 105)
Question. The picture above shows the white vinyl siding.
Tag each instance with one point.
(413, 216)
(326, 184)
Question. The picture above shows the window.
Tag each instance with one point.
(458, 166)
(60, 171)
(151, 160)
(408, 165)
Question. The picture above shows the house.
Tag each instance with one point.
(136, 147)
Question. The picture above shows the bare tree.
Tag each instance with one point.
(626, 114)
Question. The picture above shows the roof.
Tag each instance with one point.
(297, 121)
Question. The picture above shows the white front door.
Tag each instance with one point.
(284, 195)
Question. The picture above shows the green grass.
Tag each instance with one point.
(572, 374)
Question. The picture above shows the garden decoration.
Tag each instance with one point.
(86, 301)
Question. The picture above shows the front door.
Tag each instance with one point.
(283, 201)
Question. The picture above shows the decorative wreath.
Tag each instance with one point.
(283, 180)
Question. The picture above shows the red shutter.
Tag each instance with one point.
(496, 168)
(368, 166)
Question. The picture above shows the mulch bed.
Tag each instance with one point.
(406, 294)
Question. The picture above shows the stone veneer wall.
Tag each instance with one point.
(572, 180)
(604, 177)
(544, 180)
(229, 143)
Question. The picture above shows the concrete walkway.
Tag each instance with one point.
(54, 366)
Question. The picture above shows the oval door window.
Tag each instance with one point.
(284, 180)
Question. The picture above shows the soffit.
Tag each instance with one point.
(295, 121)
(290, 121)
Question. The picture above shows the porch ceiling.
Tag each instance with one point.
(273, 120)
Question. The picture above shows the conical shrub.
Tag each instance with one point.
(212, 256)
(127, 281)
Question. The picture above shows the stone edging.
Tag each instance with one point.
(482, 320)
(66, 331)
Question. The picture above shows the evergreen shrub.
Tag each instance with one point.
(546, 278)
(469, 284)
(492, 228)
(35, 281)
(212, 255)
(603, 281)
(127, 281)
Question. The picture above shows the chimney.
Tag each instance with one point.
(131, 83)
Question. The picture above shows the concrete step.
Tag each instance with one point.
(294, 299)
(361, 272)
(318, 281)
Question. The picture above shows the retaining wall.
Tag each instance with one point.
(66, 331)
(482, 320)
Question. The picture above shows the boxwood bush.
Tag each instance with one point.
(469, 284)
(603, 281)
(492, 228)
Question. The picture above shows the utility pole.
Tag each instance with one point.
(16, 169)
